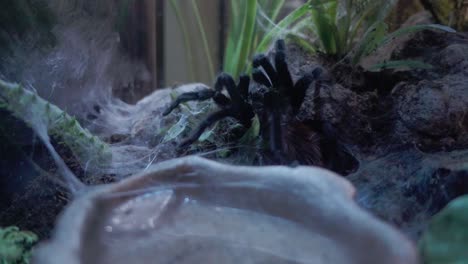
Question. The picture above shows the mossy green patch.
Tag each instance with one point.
(16, 245)
(446, 240)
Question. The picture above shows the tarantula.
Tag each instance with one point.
(311, 142)
(235, 106)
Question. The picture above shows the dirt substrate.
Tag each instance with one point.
(408, 129)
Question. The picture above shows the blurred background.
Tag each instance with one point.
(69, 49)
(133, 46)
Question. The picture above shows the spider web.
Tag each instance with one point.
(78, 75)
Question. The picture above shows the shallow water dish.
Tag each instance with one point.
(192, 210)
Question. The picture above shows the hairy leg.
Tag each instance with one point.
(201, 95)
(260, 77)
(210, 120)
(243, 87)
(225, 80)
(298, 92)
(271, 102)
(284, 75)
(262, 61)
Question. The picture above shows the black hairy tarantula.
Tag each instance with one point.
(291, 140)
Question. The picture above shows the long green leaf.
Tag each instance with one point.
(276, 8)
(246, 37)
(343, 18)
(243, 43)
(323, 15)
(204, 39)
(370, 41)
(400, 64)
(286, 22)
(234, 28)
(362, 17)
(303, 43)
(252, 133)
(414, 29)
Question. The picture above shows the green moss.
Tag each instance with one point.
(446, 240)
(16, 245)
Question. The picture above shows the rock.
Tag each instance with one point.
(192, 210)
(452, 59)
(435, 108)
(407, 187)
(423, 108)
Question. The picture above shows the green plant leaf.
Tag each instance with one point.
(252, 133)
(414, 29)
(343, 18)
(207, 133)
(303, 43)
(369, 14)
(234, 31)
(241, 37)
(275, 8)
(271, 7)
(177, 129)
(370, 41)
(286, 22)
(400, 64)
(246, 37)
(323, 15)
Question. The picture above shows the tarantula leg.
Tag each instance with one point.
(299, 90)
(261, 60)
(281, 66)
(210, 120)
(260, 77)
(318, 104)
(221, 99)
(335, 155)
(243, 86)
(201, 95)
(271, 100)
(225, 80)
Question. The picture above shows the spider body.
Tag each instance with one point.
(282, 103)
(310, 142)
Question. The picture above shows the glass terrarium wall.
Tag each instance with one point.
(178, 41)
(193, 40)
